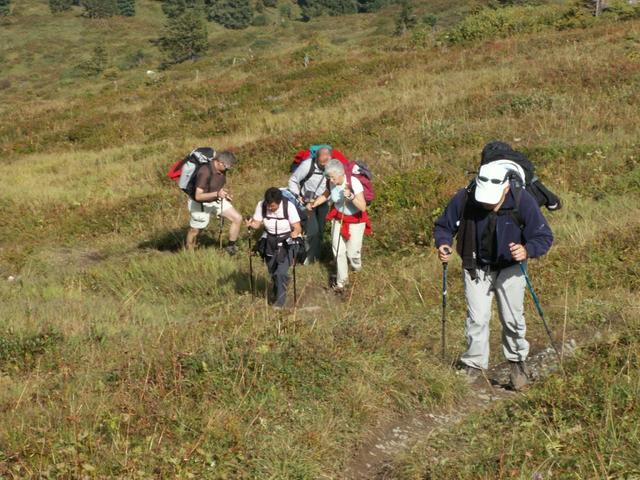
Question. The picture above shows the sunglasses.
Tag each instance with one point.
(495, 181)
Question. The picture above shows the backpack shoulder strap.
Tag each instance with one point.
(515, 211)
(467, 192)
(285, 209)
(310, 173)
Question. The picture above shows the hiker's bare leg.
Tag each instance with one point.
(192, 234)
(235, 218)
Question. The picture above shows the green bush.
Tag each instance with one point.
(285, 11)
(57, 6)
(430, 20)
(5, 7)
(622, 10)
(367, 6)
(504, 22)
(99, 8)
(20, 353)
(95, 65)
(574, 17)
(260, 21)
(175, 8)
(317, 8)
(233, 14)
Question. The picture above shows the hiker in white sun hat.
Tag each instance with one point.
(492, 184)
(498, 225)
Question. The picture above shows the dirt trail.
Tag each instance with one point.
(373, 460)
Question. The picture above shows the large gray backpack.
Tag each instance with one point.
(192, 163)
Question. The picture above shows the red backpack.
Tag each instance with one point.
(362, 171)
(303, 155)
(176, 169)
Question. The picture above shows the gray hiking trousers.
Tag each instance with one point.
(279, 271)
(508, 285)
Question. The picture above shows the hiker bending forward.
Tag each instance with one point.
(498, 225)
(308, 182)
(211, 198)
(350, 221)
(282, 227)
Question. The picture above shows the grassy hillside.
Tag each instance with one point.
(121, 356)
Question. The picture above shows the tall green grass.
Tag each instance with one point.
(123, 357)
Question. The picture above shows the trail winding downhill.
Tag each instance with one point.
(374, 458)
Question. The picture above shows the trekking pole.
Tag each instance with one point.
(445, 270)
(536, 300)
(221, 222)
(251, 285)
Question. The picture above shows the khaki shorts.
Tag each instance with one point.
(201, 212)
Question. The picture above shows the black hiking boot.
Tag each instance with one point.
(519, 375)
(231, 249)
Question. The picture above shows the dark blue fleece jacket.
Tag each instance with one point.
(535, 234)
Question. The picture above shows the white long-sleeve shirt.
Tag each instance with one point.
(316, 184)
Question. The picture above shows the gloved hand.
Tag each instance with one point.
(294, 241)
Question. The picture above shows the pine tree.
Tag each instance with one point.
(317, 8)
(406, 20)
(57, 6)
(175, 8)
(99, 8)
(185, 37)
(94, 65)
(234, 14)
(366, 6)
(5, 7)
(126, 8)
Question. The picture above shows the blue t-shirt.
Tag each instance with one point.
(337, 196)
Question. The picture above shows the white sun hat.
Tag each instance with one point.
(491, 182)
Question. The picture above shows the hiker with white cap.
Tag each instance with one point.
(498, 225)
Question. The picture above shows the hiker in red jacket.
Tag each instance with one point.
(350, 221)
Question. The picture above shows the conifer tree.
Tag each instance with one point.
(406, 19)
(185, 37)
(57, 6)
(126, 8)
(234, 14)
(174, 8)
(99, 8)
(316, 8)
